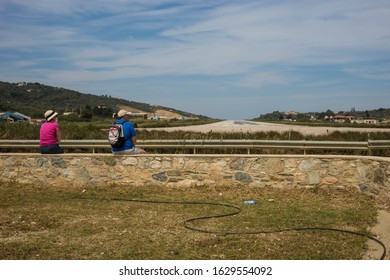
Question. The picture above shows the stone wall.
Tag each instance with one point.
(369, 174)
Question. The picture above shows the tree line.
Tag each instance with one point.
(379, 114)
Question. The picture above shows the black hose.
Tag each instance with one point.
(236, 211)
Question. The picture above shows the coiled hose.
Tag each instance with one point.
(237, 210)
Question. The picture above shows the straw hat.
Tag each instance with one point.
(50, 114)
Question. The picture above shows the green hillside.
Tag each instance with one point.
(33, 99)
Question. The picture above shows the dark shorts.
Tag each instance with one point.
(133, 151)
(55, 149)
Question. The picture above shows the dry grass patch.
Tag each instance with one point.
(39, 222)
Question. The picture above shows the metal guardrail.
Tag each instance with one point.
(250, 146)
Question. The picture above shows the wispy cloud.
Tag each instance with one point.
(249, 47)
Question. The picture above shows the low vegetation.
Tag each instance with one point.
(38, 222)
(98, 130)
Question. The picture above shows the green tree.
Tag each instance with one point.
(86, 113)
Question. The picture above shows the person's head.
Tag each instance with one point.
(123, 114)
(50, 115)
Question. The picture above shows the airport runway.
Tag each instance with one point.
(251, 126)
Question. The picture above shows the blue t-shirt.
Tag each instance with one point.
(129, 131)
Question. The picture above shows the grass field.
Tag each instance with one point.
(37, 222)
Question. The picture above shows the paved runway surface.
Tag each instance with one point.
(251, 126)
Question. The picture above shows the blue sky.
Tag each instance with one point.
(220, 58)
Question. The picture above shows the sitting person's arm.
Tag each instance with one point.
(58, 137)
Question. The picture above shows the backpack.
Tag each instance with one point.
(116, 136)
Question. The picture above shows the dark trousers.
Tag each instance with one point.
(54, 149)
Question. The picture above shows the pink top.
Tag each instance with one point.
(48, 134)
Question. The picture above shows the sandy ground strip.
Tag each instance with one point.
(382, 232)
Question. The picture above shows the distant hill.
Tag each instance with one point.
(379, 114)
(33, 99)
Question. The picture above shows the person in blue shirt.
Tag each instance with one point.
(130, 136)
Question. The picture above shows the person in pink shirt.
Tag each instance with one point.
(50, 135)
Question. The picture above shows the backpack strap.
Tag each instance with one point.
(123, 121)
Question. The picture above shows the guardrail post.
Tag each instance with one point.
(369, 147)
(369, 144)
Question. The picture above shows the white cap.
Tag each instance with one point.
(122, 113)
